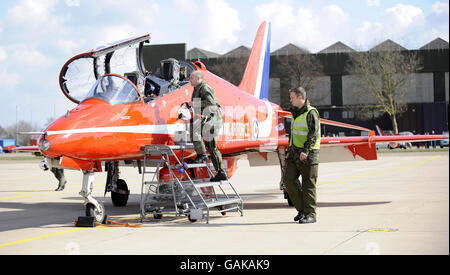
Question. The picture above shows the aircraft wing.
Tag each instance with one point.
(343, 125)
(332, 149)
(27, 149)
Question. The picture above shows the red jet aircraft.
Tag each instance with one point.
(122, 108)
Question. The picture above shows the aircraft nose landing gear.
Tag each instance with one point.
(99, 214)
(93, 207)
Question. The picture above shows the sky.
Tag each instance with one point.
(38, 36)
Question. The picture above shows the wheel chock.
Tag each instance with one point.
(85, 221)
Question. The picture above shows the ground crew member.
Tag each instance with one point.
(303, 156)
(57, 172)
(207, 123)
(59, 175)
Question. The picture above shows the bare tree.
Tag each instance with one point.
(230, 69)
(304, 68)
(49, 121)
(3, 132)
(22, 126)
(384, 75)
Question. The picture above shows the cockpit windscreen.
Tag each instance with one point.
(114, 89)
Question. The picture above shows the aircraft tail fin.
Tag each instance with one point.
(256, 75)
(379, 131)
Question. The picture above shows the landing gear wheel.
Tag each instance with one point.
(120, 197)
(157, 215)
(191, 220)
(98, 214)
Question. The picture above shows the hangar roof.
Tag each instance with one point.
(337, 47)
(436, 44)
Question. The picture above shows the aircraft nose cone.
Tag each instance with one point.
(47, 145)
(52, 141)
(44, 145)
(59, 139)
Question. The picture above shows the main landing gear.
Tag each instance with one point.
(120, 195)
(118, 187)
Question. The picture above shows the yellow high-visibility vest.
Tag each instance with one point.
(299, 130)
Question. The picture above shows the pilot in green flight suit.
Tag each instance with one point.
(207, 123)
(303, 156)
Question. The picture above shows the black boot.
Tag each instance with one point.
(201, 158)
(221, 175)
(299, 216)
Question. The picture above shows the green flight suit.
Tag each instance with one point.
(303, 196)
(208, 126)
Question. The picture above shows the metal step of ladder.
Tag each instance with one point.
(185, 195)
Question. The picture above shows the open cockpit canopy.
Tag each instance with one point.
(80, 73)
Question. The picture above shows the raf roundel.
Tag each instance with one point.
(255, 130)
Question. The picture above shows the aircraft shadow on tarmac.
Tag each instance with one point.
(41, 214)
(275, 205)
(61, 214)
(26, 191)
(249, 204)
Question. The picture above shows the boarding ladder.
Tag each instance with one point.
(182, 194)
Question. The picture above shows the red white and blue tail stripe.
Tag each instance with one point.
(256, 75)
